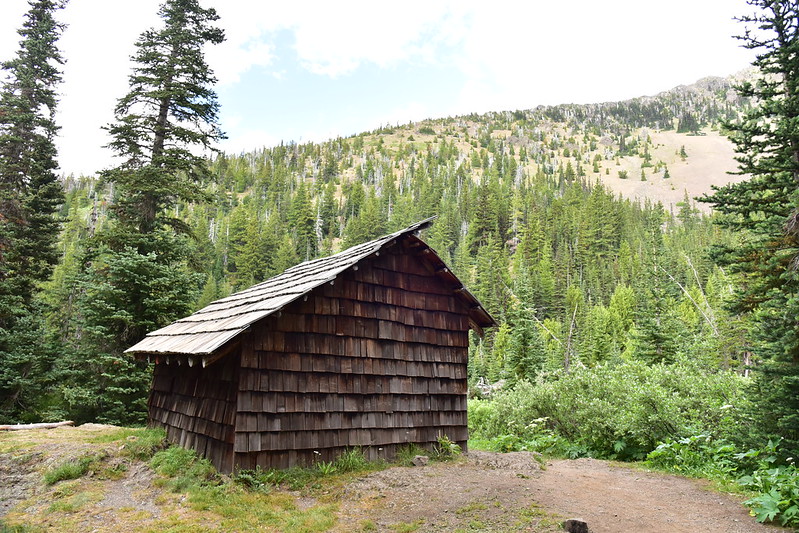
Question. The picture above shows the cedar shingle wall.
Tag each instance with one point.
(378, 360)
(197, 407)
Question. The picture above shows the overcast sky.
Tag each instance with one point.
(311, 70)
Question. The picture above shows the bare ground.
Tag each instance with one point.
(482, 491)
(711, 157)
(512, 492)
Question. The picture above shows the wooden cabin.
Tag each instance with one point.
(366, 348)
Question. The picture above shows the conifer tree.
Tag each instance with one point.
(30, 194)
(302, 222)
(136, 275)
(764, 209)
(168, 115)
(29, 189)
(170, 112)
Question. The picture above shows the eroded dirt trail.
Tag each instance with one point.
(616, 498)
(510, 492)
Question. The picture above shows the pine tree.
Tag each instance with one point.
(168, 115)
(30, 194)
(302, 221)
(29, 189)
(136, 275)
(764, 210)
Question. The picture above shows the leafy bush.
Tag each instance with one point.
(620, 411)
(777, 485)
(446, 449)
(534, 437)
(326, 468)
(773, 480)
(696, 456)
(257, 479)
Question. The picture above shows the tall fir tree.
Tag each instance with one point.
(30, 192)
(30, 195)
(765, 209)
(170, 112)
(136, 276)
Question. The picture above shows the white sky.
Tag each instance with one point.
(312, 70)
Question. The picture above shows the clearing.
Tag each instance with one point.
(480, 492)
(711, 158)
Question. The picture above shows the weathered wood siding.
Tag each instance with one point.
(377, 360)
(197, 407)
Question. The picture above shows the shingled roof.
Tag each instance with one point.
(210, 328)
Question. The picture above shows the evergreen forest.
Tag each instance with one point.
(628, 329)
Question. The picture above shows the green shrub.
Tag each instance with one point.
(446, 449)
(619, 411)
(258, 479)
(326, 468)
(536, 437)
(696, 456)
(776, 482)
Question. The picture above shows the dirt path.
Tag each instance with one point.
(614, 498)
(482, 492)
(512, 492)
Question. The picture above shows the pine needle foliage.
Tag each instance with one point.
(30, 195)
(764, 209)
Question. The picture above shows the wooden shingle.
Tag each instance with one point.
(364, 348)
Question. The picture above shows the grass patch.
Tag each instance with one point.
(10, 447)
(177, 524)
(72, 504)
(18, 528)
(541, 518)
(66, 489)
(140, 443)
(247, 503)
(72, 469)
(474, 507)
(406, 527)
(183, 469)
(23, 458)
(367, 526)
(405, 454)
(352, 461)
(115, 471)
(242, 510)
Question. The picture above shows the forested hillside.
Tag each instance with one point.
(527, 218)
